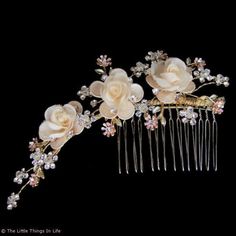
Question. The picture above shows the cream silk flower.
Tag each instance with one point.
(60, 122)
(169, 77)
(117, 93)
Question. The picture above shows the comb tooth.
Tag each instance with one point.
(140, 137)
(186, 138)
(133, 126)
(214, 141)
(157, 148)
(172, 138)
(163, 135)
(207, 141)
(118, 148)
(126, 147)
(150, 149)
(200, 140)
(194, 139)
(180, 139)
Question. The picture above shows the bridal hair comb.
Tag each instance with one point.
(174, 115)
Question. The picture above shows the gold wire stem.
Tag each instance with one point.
(23, 187)
(29, 169)
(46, 146)
(203, 85)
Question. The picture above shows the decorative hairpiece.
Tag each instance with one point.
(120, 103)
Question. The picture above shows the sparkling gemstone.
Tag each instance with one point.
(93, 118)
(52, 166)
(193, 122)
(133, 98)
(17, 197)
(46, 166)
(87, 112)
(138, 113)
(185, 120)
(156, 109)
(143, 107)
(155, 91)
(9, 207)
(202, 80)
(104, 77)
(226, 84)
(93, 103)
(82, 97)
(190, 109)
(182, 113)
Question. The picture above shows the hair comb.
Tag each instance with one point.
(174, 118)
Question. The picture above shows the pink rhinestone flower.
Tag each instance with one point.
(103, 61)
(151, 122)
(218, 106)
(34, 180)
(109, 129)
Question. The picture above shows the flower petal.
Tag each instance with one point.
(77, 105)
(96, 88)
(166, 96)
(58, 143)
(152, 82)
(50, 110)
(48, 131)
(117, 74)
(186, 78)
(190, 88)
(176, 61)
(163, 83)
(157, 68)
(126, 110)
(70, 111)
(137, 91)
(106, 112)
(77, 128)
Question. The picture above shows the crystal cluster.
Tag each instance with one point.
(222, 80)
(20, 175)
(198, 62)
(139, 69)
(218, 106)
(189, 116)
(203, 74)
(108, 129)
(33, 144)
(12, 201)
(143, 107)
(104, 61)
(38, 157)
(83, 92)
(155, 56)
(86, 119)
(42, 159)
(151, 122)
(49, 161)
(34, 180)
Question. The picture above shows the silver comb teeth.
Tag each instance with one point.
(174, 146)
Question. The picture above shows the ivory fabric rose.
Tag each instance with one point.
(117, 93)
(169, 77)
(60, 123)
